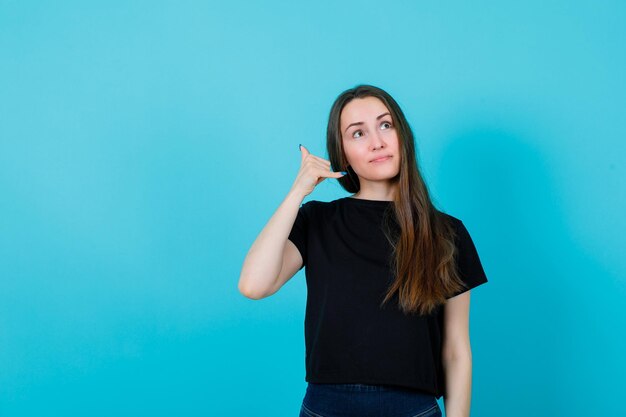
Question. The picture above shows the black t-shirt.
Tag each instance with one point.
(349, 337)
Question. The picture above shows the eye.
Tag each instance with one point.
(355, 132)
(386, 123)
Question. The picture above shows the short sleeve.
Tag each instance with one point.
(299, 231)
(468, 262)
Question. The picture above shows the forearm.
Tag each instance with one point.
(263, 261)
(458, 374)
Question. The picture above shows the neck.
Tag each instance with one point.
(376, 192)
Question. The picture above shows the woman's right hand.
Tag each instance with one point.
(313, 170)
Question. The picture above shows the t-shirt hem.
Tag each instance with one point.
(343, 379)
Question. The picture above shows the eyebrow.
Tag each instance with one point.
(360, 123)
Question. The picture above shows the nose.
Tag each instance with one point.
(377, 141)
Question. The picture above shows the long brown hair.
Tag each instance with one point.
(424, 250)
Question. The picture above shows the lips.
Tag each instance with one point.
(381, 159)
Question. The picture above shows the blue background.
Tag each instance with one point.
(144, 145)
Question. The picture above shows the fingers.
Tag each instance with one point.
(328, 174)
(323, 168)
(334, 174)
(305, 153)
(316, 166)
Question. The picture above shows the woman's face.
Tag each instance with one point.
(368, 134)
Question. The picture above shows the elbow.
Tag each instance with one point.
(250, 293)
(456, 355)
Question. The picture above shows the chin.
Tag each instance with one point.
(379, 174)
(379, 177)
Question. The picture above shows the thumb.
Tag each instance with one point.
(304, 152)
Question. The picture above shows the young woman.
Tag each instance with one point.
(388, 275)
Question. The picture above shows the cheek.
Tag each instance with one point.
(361, 156)
(396, 140)
(353, 153)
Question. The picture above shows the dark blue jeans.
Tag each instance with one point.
(346, 400)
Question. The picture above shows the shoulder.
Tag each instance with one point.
(319, 206)
(450, 217)
(312, 210)
(462, 237)
(461, 234)
(452, 220)
(469, 264)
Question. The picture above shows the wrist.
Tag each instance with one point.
(295, 194)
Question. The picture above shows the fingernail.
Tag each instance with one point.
(343, 172)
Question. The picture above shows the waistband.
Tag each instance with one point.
(364, 387)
